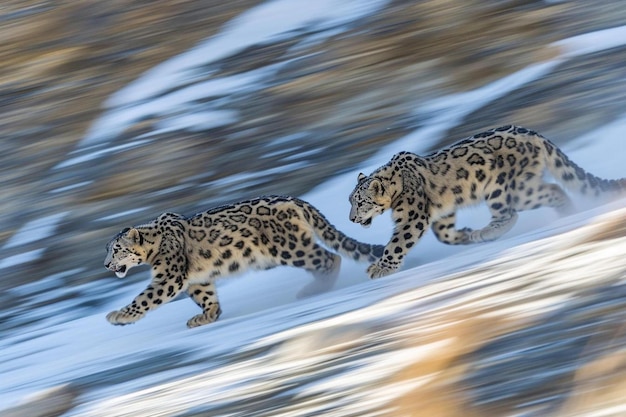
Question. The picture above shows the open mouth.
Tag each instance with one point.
(366, 222)
(120, 271)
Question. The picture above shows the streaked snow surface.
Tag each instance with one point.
(326, 355)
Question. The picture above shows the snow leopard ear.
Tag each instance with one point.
(134, 236)
(376, 187)
(361, 177)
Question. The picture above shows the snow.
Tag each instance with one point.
(116, 120)
(209, 383)
(49, 283)
(100, 153)
(262, 24)
(21, 258)
(251, 178)
(592, 42)
(35, 230)
(452, 109)
(32, 231)
(122, 214)
(70, 187)
(36, 358)
(198, 121)
(618, 410)
(271, 21)
(602, 142)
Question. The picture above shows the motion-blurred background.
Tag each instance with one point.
(298, 108)
(113, 112)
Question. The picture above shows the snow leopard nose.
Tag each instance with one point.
(353, 215)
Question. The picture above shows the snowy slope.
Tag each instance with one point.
(334, 356)
(160, 358)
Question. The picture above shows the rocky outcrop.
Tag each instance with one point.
(50, 403)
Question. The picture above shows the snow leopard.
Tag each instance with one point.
(187, 254)
(503, 167)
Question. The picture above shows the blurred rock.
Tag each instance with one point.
(50, 403)
(578, 96)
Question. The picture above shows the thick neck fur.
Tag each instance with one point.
(152, 239)
(391, 180)
(409, 173)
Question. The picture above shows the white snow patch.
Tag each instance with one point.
(602, 141)
(198, 121)
(257, 176)
(70, 187)
(294, 137)
(102, 152)
(147, 96)
(592, 42)
(261, 24)
(49, 283)
(21, 258)
(35, 230)
(122, 214)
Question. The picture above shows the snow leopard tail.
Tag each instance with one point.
(337, 240)
(575, 178)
